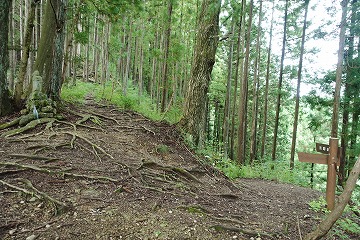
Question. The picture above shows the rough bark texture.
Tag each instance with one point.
(58, 53)
(19, 85)
(5, 105)
(244, 94)
(344, 198)
(43, 62)
(204, 58)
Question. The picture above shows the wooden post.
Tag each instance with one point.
(331, 156)
(331, 173)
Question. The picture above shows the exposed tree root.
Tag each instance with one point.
(23, 190)
(240, 230)
(34, 157)
(60, 207)
(39, 148)
(179, 171)
(95, 147)
(10, 172)
(27, 127)
(10, 124)
(103, 116)
(92, 116)
(61, 173)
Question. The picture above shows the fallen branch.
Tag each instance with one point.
(344, 198)
(240, 230)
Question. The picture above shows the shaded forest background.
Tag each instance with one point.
(265, 101)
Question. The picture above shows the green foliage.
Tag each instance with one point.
(162, 149)
(132, 101)
(349, 226)
(318, 205)
(77, 93)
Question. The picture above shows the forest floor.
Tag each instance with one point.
(104, 173)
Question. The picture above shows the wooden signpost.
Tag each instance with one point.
(330, 156)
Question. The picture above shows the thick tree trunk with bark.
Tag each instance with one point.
(203, 61)
(5, 103)
(239, 62)
(19, 85)
(244, 94)
(49, 60)
(58, 53)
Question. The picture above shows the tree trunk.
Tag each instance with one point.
(5, 105)
(166, 54)
(277, 114)
(296, 118)
(58, 55)
(19, 85)
(239, 62)
(324, 227)
(203, 61)
(265, 113)
(253, 141)
(51, 48)
(244, 94)
(339, 69)
(348, 58)
(128, 60)
(228, 93)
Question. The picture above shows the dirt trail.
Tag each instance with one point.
(109, 174)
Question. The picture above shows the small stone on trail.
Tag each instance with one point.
(32, 237)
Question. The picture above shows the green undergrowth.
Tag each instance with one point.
(346, 226)
(270, 170)
(132, 101)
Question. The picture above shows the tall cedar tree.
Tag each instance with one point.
(280, 83)
(51, 48)
(5, 105)
(244, 93)
(195, 107)
(296, 118)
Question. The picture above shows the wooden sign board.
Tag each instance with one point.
(331, 155)
(314, 158)
(322, 148)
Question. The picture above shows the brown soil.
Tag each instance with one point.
(122, 176)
